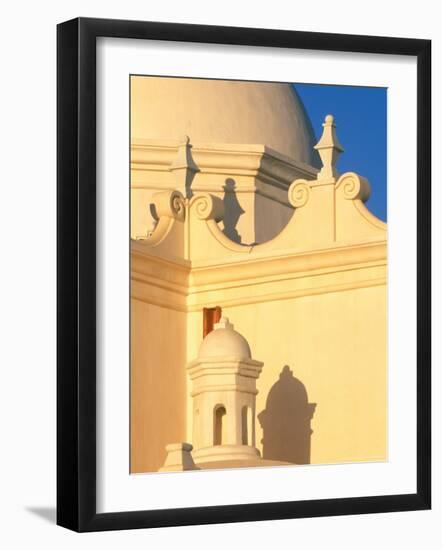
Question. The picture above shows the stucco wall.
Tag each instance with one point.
(334, 346)
(324, 368)
(158, 383)
(311, 303)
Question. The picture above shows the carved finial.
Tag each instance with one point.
(223, 323)
(329, 149)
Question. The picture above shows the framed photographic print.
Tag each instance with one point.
(243, 274)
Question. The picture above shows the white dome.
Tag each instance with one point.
(223, 341)
(222, 111)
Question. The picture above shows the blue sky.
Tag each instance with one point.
(361, 123)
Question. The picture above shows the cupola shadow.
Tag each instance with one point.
(286, 421)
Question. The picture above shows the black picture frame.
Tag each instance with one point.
(76, 273)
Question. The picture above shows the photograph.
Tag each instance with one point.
(258, 274)
(220, 235)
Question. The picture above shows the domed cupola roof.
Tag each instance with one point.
(223, 341)
(222, 111)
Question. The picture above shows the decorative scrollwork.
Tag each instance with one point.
(177, 205)
(299, 193)
(170, 204)
(354, 186)
(208, 207)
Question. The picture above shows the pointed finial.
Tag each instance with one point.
(329, 149)
(223, 323)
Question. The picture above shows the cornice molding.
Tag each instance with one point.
(288, 295)
(189, 286)
(220, 158)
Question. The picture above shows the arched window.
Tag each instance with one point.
(219, 420)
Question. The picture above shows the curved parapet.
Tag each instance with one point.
(206, 239)
(364, 212)
(326, 215)
(353, 220)
(328, 212)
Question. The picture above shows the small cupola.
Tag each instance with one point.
(224, 341)
(224, 396)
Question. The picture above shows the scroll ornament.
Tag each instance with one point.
(169, 204)
(354, 186)
(208, 207)
(299, 193)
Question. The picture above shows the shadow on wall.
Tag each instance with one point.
(286, 421)
(232, 211)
